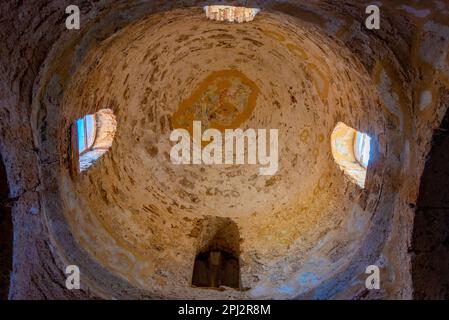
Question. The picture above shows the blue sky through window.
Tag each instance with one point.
(81, 138)
(86, 132)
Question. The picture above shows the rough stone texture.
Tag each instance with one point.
(132, 222)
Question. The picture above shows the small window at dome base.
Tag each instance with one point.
(92, 136)
(351, 150)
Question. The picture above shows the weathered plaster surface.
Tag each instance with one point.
(133, 221)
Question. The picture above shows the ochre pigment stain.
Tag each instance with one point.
(298, 51)
(320, 81)
(223, 100)
(304, 136)
(319, 78)
(274, 35)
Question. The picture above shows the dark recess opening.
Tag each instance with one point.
(6, 234)
(217, 261)
(430, 242)
(214, 269)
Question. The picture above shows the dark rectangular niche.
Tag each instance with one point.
(217, 262)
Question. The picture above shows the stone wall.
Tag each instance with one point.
(131, 221)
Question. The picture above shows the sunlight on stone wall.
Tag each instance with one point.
(230, 13)
(343, 141)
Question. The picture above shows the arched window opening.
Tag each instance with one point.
(92, 136)
(6, 235)
(351, 150)
(217, 263)
(230, 13)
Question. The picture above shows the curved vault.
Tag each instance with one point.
(134, 223)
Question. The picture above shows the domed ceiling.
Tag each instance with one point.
(135, 221)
